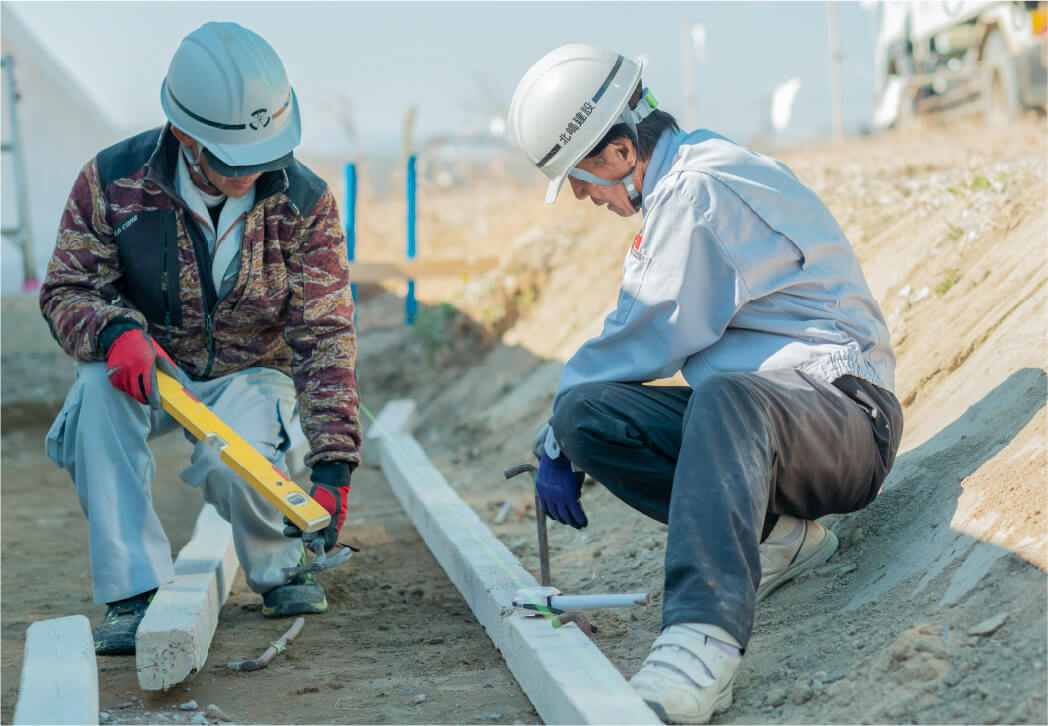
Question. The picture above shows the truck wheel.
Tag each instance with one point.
(1001, 102)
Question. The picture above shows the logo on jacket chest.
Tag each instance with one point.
(635, 249)
(125, 224)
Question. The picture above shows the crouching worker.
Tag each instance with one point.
(204, 245)
(741, 279)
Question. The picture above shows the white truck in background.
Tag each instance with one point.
(958, 58)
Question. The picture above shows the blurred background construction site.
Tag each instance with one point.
(378, 82)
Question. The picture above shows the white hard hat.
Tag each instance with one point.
(227, 88)
(567, 102)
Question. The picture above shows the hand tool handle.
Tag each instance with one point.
(270, 653)
(256, 469)
(589, 602)
(540, 520)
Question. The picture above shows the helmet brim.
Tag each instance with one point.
(233, 171)
(241, 159)
(265, 153)
(554, 188)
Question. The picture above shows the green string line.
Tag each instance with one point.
(541, 607)
(587, 656)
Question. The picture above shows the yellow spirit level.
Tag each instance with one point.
(256, 470)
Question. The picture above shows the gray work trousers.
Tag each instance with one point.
(714, 462)
(100, 438)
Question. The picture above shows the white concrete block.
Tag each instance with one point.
(172, 642)
(59, 682)
(396, 417)
(567, 678)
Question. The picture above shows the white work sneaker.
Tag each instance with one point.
(687, 676)
(793, 546)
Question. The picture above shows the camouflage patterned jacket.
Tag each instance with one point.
(128, 251)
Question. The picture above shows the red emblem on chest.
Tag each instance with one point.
(637, 242)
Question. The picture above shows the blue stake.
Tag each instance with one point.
(410, 304)
(351, 220)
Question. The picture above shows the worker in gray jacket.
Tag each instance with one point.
(741, 279)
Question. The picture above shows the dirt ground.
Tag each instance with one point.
(398, 644)
(933, 611)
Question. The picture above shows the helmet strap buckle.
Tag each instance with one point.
(194, 163)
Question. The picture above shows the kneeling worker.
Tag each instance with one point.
(741, 279)
(204, 244)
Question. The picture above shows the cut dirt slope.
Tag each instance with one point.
(951, 228)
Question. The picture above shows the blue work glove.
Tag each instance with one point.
(559, 488)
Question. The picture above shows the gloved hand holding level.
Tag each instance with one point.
(131, 363)
(330, 490)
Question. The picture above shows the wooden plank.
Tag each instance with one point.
(397, 416)
(567, 678)
(173, 639)
(59, 683)
(371, 272)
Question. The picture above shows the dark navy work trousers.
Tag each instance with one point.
(715, 463)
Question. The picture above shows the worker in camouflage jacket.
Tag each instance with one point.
(205, 248)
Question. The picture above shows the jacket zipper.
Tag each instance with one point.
(210, 291)
(167, 303)
(203, 260)
(210, 304)
(226, 234)
(209, 326)
(164, 293)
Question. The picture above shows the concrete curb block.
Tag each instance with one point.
(59, 683)
(396, 417)
(172, 642)
(567, 678)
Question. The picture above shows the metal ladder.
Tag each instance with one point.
(21, 233)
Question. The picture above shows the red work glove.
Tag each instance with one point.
(330, 490)
(131, 364)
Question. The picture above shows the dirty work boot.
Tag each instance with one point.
(793, 546)
(301, 596)
(688, 674)
(116, 634)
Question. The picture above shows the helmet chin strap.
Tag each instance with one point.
(631, 117)
(626, 181)
(194, 164)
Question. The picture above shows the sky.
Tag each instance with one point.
(366, 64)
